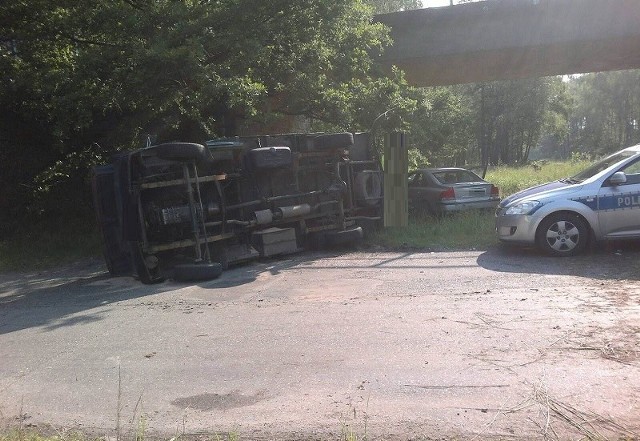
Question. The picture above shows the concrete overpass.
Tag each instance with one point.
(510, 39)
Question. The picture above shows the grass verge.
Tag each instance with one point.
(471, 230)
(513, 179)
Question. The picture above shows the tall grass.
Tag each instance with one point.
(513, 179)
(465, 230)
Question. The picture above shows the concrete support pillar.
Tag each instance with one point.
(396, 190)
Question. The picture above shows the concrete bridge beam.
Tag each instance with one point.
(512, 39)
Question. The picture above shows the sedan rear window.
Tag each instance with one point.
(456, 176)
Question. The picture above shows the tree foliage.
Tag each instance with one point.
(441, 127)
(185, 68)
(488, 123)
(511, 117)
(606, 117)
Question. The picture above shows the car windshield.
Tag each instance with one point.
(456, 176)
(599, 166)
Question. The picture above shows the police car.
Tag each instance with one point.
(601, 202)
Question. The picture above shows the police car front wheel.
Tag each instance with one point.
(562, 234)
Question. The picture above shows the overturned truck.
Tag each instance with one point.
(186, 211)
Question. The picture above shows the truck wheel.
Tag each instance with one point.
(562, 234)
(333, 141)
(190, 272)
(181, 152)
(367, 187)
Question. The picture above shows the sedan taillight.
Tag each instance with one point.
(495, 191)
(448, 195)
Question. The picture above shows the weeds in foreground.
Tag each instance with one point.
(230, 436)
(348, 434)
(348, 424)
(557, 420)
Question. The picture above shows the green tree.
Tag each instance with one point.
(511, 116)
(441, 126)
(607, 111)
(554, 140)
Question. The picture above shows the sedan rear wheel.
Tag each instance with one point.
(563, 234)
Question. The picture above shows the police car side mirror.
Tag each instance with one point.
(618, 178)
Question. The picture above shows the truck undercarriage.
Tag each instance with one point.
(187, 211)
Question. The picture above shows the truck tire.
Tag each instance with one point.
(181, 152)
(193, 272)
(367, 187)
(270, 157)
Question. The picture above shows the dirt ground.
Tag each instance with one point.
(497, 344)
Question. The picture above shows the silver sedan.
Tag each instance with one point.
(444, 190)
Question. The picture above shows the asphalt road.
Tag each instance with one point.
(494, 344)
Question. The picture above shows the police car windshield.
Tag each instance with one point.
(601, 165)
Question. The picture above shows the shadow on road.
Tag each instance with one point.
(609, 261)
(53, 300)
(71, 295)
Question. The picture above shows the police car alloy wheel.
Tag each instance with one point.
(562, 234)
